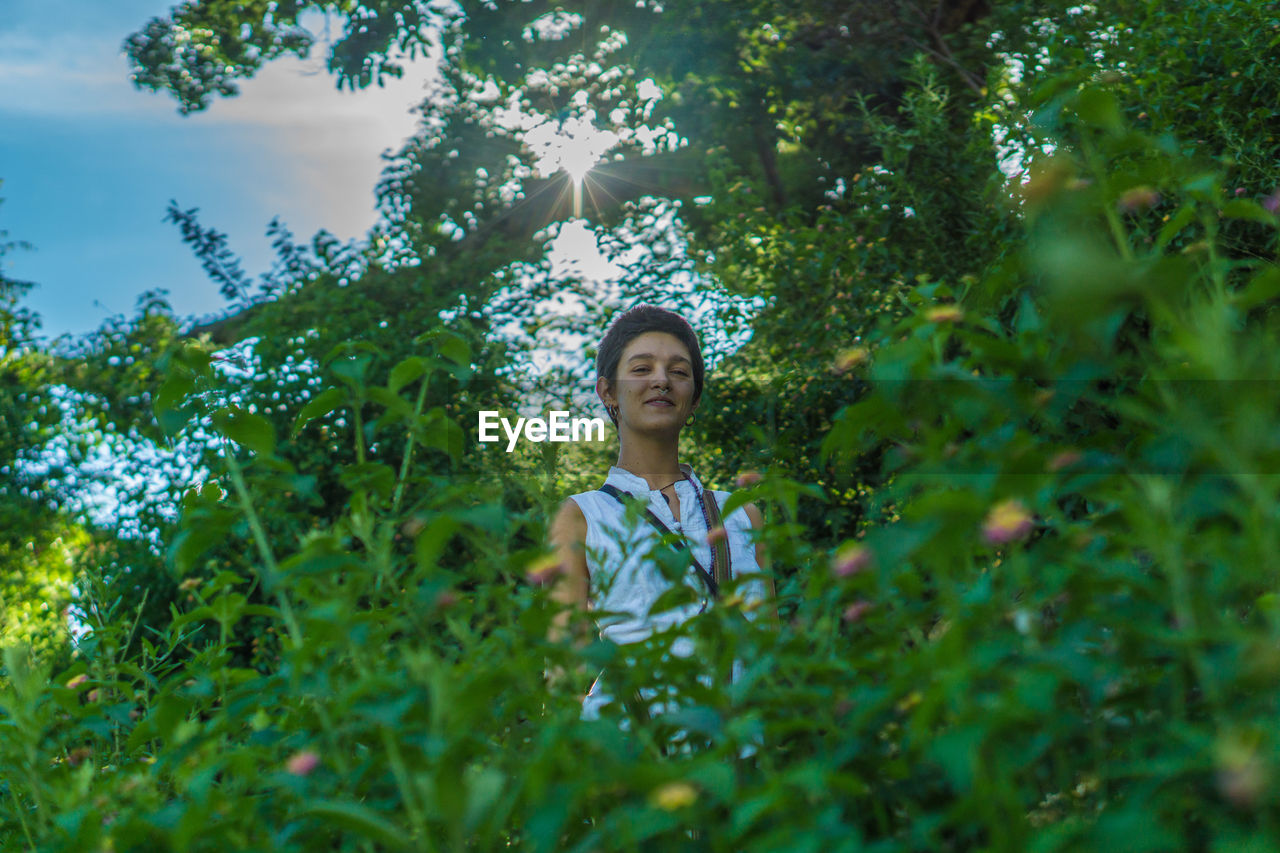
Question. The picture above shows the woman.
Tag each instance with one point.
(650, 378)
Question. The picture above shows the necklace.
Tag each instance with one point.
(706, 520)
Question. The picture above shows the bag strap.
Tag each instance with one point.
(707, 577)
(720, 555)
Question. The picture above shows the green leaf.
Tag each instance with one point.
(200, 532)
(1243, 208)
(1099, 108)
(369, 476)
(397, 406)
(454, 348)
(1264, 287)
(431, 541)
(1176, 223)
(177, 386)
(413, 367)
(352, 369)
(359, 819)
(318, 406)
(243, 427)
(172, 421)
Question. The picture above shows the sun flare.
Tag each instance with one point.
(573, 146)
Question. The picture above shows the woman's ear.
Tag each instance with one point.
(604, 392)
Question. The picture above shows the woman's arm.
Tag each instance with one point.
(771, 603)
(573, 582)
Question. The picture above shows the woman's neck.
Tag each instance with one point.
(653, 460)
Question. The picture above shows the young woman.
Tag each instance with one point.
(650, 379)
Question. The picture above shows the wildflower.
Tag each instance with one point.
(77, 681)
(1007, 522)
(1272, 202)
(674, 796)
(1242, 777)
(189, 584)
(856, 611)
(1063, 459)
(1138, 198)
(945, 314)
(850, 358)
(302, 763)
(850, 559)
(747, 478)
(543, 570)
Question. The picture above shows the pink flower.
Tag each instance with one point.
(850, 559)
(1007, 522)
(77, 681)
(302, 763)
(747, 478)
(1064, 459)
(856, 611)
(1138, 198)
(1272, 202)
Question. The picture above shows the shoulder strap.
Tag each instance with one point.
(707, 578)
(721, 563)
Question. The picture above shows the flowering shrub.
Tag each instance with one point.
(1047, 622)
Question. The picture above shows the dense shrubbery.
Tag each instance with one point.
(1020, 452)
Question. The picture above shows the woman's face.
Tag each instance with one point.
(654, 384)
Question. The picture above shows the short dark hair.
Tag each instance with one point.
(634, 322)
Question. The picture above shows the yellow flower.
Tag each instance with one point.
(850, 358)
(544, 569)
(1006, 522)
(945, 314)
(674, 796)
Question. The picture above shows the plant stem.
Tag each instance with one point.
(408, 448)
(264, 546)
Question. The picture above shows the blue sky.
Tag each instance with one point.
(89, 163)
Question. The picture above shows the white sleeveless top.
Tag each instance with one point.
(625, 582)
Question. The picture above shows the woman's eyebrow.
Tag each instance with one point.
(650, 355)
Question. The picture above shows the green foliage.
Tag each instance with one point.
(1015, 435)
(37, 543)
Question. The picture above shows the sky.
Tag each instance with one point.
(89, 163)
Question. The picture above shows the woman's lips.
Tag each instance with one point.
(662, 403)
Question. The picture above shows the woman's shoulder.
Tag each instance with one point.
(570, 516)
(588, 505)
